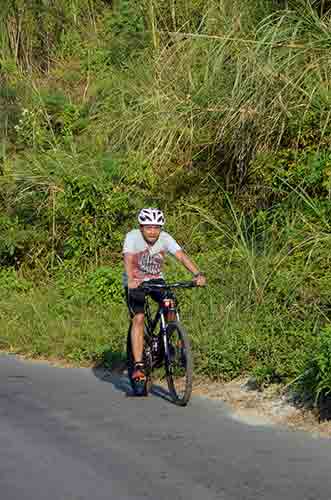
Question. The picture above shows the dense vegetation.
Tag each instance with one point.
(218, 112)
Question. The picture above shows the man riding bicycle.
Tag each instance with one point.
(144, 251)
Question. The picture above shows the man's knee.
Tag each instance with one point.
(138, 319)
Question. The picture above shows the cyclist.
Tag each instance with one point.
(144, 251)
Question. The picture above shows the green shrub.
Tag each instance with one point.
(10, 282)
(105, 285)
(91, 214)
(316, 375)
(16, 240)
(101, 285)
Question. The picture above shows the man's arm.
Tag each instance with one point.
(129, 266)
(190, 266)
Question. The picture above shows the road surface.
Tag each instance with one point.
(69, 434)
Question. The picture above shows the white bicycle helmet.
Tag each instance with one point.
(151, 217)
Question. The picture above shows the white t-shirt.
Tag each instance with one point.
(148, 259)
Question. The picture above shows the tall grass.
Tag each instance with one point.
(30, 31)
(223, 88)
(200, 87)
(261, 312)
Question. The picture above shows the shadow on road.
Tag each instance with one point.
(113, 370)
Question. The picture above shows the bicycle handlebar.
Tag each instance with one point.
(167, 286)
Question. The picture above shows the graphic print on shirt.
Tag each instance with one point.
(150, 264)
(147, 260)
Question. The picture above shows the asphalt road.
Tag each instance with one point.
(67, 434)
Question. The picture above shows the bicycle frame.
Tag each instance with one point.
(151, 323)
(160, 314)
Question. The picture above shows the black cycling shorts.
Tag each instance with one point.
(135, 298)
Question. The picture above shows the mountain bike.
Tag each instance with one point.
(166, 345)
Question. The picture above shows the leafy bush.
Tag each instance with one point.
(316, 375)
(105, 285)
(91, 215)
(102, 285)
(10, 282)
(16, 240)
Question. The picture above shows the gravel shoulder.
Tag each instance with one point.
(268, 407)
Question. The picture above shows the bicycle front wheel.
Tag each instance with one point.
(178, 364)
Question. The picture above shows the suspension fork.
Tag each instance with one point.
(164, 334)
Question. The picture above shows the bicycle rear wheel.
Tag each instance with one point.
(178, 364)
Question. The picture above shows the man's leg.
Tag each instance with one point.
(137, 337)
(136, 304)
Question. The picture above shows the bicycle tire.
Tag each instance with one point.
(179, 384)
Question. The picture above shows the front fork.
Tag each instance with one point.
(165, 336)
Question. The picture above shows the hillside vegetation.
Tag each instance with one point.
(218, 112)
